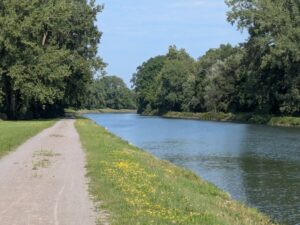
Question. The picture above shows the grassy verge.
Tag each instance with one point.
(14, 133)
(136, 188)
(200, 116)
(242, 117)
(85, 111)
(285, 121)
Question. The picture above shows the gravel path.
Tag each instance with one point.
(43, 182)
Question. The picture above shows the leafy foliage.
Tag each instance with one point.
(261, 75)
(145, 83)
(272, 57)
(110, 92)
(176, 82)
(47, 51)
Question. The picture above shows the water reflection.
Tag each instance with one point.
(256, 164)
(273, 187)
(271, 166)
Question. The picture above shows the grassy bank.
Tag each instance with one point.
(14, 133)
(136, 188)
(85, 111)
(285, 121)
(242, 117)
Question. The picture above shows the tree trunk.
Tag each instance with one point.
(12, 106)
(10, 99)
(45, 38)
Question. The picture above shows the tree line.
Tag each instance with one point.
(48, 55)
(109, 92)
(260, 76)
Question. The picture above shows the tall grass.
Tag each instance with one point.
(137, 188)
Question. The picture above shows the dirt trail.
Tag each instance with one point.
(43, 182)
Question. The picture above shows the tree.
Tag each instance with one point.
(175, 87)
(272, 59)
(145, 83)
(208, 71)
(176, 82)
(110, 92)
(261, 75)
(47, 54)
(96, 98)
(222, 84)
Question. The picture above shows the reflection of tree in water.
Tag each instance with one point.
(272, 185)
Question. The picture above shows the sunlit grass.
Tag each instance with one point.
(137, 188)
(107, 110)
(287, 121)
(14, 133)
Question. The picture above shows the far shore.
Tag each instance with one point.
(99, 111)
(249, 118)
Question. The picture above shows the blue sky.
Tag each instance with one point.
(135, 30)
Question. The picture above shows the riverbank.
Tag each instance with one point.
(136, 188)
(96, 111)
(243, 118)
(14, 133)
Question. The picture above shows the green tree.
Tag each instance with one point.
(96, 96)
(110, 92)
(47, 54)
(176, 82)
(222, 85)
(261, 75)
(145, 83)
(272, 59)
(211, 78)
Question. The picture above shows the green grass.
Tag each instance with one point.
(14, 133)
(200, 116)
(85, 111)
(285, 121)
(136, 188)
(240, 117)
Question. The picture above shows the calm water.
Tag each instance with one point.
(258, 165)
